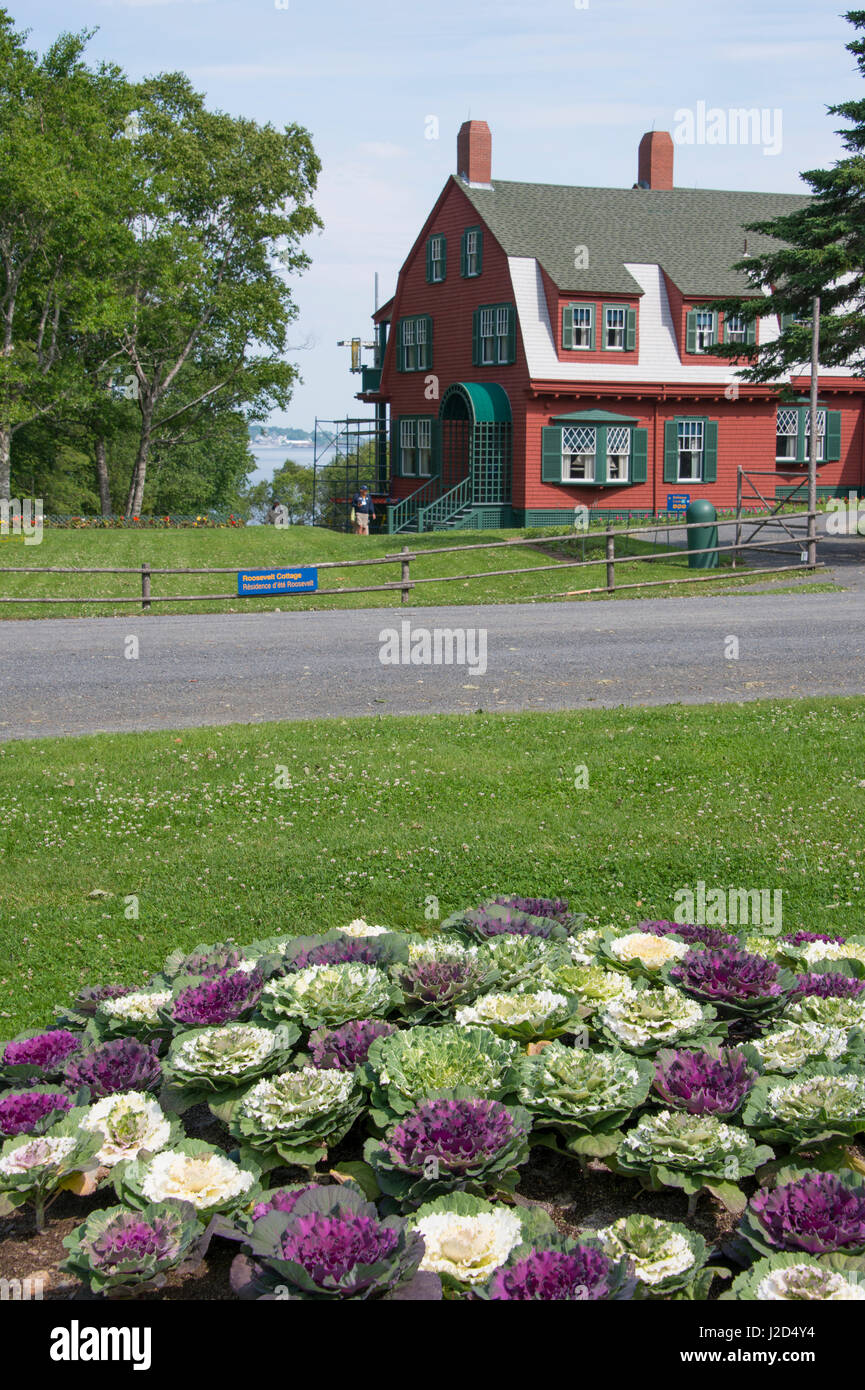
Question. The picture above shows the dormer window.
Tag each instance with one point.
(735, 326)
(702, 330)
(614, 328)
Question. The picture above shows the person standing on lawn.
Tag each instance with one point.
(364, 511)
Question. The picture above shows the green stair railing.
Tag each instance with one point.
(444, 507)
(403, 513)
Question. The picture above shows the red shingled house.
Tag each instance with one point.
(546, 347)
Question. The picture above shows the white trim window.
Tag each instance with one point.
(488, 336)
(409, 345)
(734, 328)
(422, 348)
(579, 443)
(408, 450)
(618, 453)
(424, 448)
(614, 327)
(704, 323)
(821, 433)
(471, 253)
(582, 325)
(436, 259)
(503, 326)
(787, 439)
(691, 442)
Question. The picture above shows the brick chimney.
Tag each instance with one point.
(475, 152)
(655, 160)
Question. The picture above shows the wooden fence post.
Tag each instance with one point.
(145, 587)
(611, 568)
(404, 593)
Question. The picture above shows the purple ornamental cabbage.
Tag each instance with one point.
(488, 922)
(735, 980)
(31, 1112)
(818, 1213)
(331, 1247)
(456, 1132)
(703, 1082)
(88, 999)
(554, 908)
(434, 987)
(45, 1051)
(831, 985)
(123, 1064)
(206, 965)
(354, 950)
(346, 1047)
(801, 938)
(712, 937)
(222, 999)
(546, 1276)
(116, 1250)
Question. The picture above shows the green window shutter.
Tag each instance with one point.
(395, 453)
(592, 329)
(429, 262)
(601, 454)
(691, 331)
(631, 330)
(639, 470)
(568, 326)
(480, 233)
(710, 451)
(436, 441)
(832, 441)
(429, 341)
(786, 320)
(751, 331)
(671, 452)
(476, 338)
(551, 454)
(512, 333)
(444, 242)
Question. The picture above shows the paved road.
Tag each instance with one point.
(71, 676)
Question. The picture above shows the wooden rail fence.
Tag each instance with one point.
(406, 557)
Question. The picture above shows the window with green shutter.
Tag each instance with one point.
(578, 326)
(701, 330)
(615, 329)
(472, 253)
(691, 450)
(436, 259)
(415, 343)
(793, 434)
(592, 448)
(494, 335)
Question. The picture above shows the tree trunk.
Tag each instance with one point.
(102, 476)
(5, 463)
(139, 472)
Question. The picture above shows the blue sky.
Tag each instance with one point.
(567, 90)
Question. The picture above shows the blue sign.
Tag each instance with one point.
(678, 502)
(294, 581)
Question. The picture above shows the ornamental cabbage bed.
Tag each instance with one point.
(378, 1105)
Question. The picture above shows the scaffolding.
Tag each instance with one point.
(346, 455)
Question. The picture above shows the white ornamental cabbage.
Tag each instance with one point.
(808, 1282)
(651, 951)
(652, 1018)
(468, 1248)
(789, 1048)
(361, 928)
(129, 1122)
(207, 1180)
(141, 1007)
(657, 1250)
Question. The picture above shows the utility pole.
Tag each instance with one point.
(812, 452)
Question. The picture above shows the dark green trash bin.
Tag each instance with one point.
(700, 537)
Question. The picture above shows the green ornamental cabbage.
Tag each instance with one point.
(295, 1116)
(425, 1062)
(208, 1061)
(669, 1260)
(823, 1104)
(583, 1094)
(645, 1019)
(327, 995)
(671, 1148)
(798, 1278)
(524, 1016)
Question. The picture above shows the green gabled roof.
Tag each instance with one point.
(598, 417)
(695, 235)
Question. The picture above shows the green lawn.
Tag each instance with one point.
(262, 547)
(382, 813)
